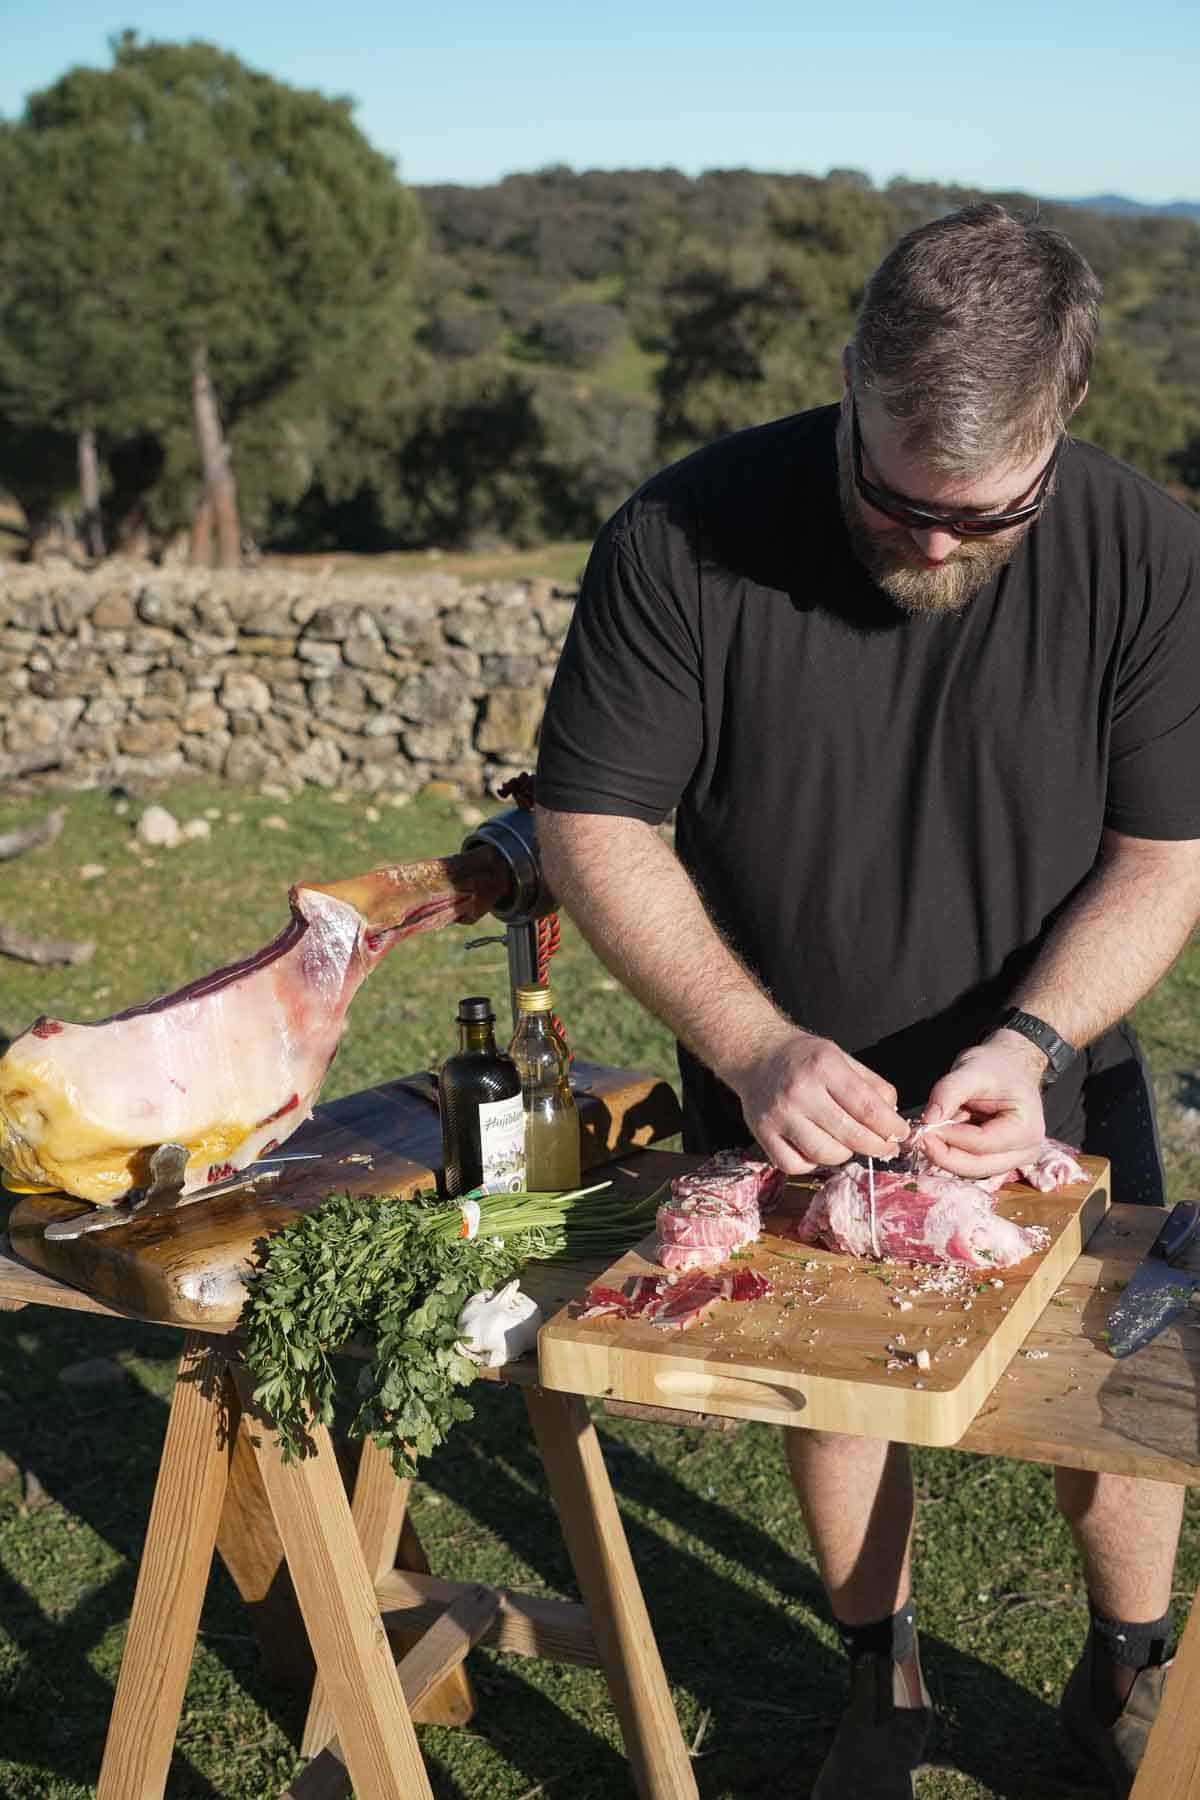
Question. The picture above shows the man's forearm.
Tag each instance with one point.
(641, 913)
(1118, 937)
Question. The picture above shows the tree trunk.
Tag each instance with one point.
(201, 540)
(89, 491)
(220, 491)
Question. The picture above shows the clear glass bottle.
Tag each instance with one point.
(483, 1121)
(552, 1140)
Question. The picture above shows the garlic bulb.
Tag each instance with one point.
(498, 1327)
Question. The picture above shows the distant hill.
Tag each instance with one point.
(1120, 203)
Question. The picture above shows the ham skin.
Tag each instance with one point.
(230, 1065)
(927, 1218)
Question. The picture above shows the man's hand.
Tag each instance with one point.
(808, 1102)
(998, 1085)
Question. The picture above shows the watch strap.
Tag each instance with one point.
(1058, 1052)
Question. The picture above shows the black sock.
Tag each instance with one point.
(1131, 1645)
(893, 1636)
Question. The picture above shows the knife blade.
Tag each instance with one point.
(1157, 1292)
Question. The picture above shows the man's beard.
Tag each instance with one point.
(890, 557)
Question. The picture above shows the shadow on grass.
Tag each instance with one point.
(735, 1611)
(94, 1452)
(773, 1688)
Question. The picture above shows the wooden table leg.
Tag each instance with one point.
(337, 1597)
(599, 1551)
(250, 1547)
(380, 1511)
(176, 1559)
(1171, 1766)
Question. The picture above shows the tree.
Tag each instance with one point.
(578, 333)
(1132, 415)
(80, 348)
(261, 233)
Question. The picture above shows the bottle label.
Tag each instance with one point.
(502, 1145)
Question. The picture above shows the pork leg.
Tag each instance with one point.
(231, 1064)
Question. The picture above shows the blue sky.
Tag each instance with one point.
(1053, 98)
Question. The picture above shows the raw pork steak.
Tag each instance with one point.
(928, 1218)
(715, 1210)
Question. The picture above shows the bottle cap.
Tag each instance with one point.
(474, 1010)
(534, 997)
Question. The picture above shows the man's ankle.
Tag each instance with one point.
(895, 1638)
(1121, 1649)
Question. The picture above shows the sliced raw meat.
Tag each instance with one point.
(644, 1291)
(702, 1239)
(748, 1284)
(672, 1304)
(232, 1063)
(682, 1302)
(933, 1218)
(1054, 1167)
(739, 1180)
(604, 1302)
(714, 1210)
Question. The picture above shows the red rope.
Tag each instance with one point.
(549, 933)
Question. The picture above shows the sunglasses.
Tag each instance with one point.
(895, 506)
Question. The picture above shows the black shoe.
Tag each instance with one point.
(1118, 1748)
(880, 1741)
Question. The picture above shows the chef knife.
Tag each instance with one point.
(1156, 1293)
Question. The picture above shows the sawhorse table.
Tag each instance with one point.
(222, 1480)
(221, 1458)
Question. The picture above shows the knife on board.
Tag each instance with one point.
(1157, 1292)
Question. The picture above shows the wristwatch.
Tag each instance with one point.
(1058, 1053)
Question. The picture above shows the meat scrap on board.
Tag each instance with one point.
(672, 1302)
(230, 1065)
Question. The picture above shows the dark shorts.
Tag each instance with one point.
(1110, 1113)
(1114, 1117)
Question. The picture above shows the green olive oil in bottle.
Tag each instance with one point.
(552, 1141)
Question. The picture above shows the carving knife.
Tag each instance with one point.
(163, 1194)
(1157, 1292)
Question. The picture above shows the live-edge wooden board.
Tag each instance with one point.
(1066, 1400)
(187, 1267)
(834, 1345)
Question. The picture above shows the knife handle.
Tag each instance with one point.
(1177, 1233)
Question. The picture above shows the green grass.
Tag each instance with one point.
(560, 562)
(718, 1542)
(630, 370)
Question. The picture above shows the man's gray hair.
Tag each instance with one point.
(976, 334)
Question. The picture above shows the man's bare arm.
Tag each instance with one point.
(1118, 937)
(805, 1099)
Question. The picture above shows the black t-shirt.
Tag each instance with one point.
(882, 811)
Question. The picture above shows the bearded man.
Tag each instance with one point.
(919, 676)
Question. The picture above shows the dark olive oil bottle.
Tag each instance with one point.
(483, 1121)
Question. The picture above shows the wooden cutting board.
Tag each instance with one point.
(186, 1267)
(816, 1351)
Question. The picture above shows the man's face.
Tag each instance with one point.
(927, 570)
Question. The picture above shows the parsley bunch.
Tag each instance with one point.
(391, 1277)
(386, 1274)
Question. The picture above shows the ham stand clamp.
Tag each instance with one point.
(513, 835)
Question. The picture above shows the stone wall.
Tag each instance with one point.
(132, 674)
